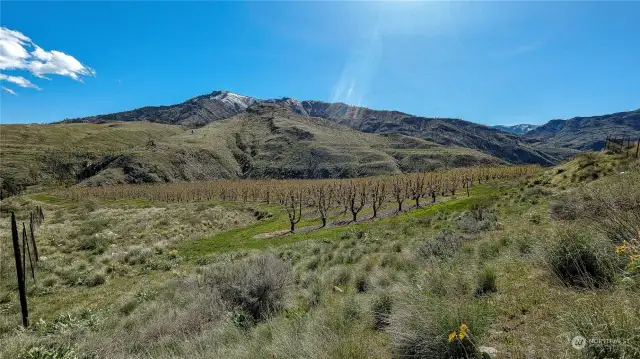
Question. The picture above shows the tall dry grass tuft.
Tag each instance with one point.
(582, 259)
(257, 285)
(434, 328)
(610, 206)
(610, 324)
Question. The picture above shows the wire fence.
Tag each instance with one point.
(623, 145)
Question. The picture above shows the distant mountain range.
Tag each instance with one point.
(586, 133)
(218, 105)
(516, 129)
(227, 135)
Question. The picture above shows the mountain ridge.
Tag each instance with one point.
(586, 133)
(545, 144)
(218, 105)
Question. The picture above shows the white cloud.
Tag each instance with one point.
(18, 80)
(10, 91)
(18, 52)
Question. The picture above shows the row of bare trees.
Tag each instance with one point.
(321, 196)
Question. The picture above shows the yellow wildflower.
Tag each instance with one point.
(463, 331)
(452, 336)
(621, 248)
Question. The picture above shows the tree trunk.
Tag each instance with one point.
(324, 222)
(417, 202)
(433, 197)
(355, 215)
(293, 227)
(399, 207)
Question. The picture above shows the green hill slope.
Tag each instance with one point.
(269, 141)
(32, 154)
(265, 141)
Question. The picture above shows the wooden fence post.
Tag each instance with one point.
(638, 148)
(21, 287)
(613, 145)
(626, 149)
(24, 256)
(33, 237)
(25, 244)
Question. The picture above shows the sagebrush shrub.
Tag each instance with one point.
(477, 220)
(256, 285)
(444, 244)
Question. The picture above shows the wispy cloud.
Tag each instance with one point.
(9, 91)
(18, 80)
(19, 52)
(359, 71)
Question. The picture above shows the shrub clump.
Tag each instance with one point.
(64, 351)
(486, 282)
(477, 220)
(427, 328)
(580, 260)
(445, 244)
(381, 308)
(256, 285)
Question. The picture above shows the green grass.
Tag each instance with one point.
(23, 147)
(244, 238)
(355, 291)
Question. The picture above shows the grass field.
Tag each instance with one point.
(515, 270)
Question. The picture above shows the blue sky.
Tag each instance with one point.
(487, 62)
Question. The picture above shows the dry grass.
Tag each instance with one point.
(381, 290)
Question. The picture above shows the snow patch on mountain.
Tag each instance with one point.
(517, 129)
(233, 99)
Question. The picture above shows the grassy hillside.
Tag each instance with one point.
(516, 270)
(219, 105)
(267, 141)
(29, 153)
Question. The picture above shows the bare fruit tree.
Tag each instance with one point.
(292, 202)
